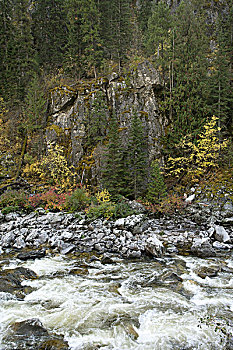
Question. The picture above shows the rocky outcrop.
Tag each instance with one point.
(72, 107)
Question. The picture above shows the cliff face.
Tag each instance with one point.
(74, 110)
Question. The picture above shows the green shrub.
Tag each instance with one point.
(13, 198)
(122, 209)
(9, 209)
(78, 200)
(104, 210)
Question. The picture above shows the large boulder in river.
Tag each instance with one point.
(10, 281)
(202, 248)
(31, 334)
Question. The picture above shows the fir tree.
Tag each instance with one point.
(158, 36)
(116, 29)
(186, 98)
(96, 120)
(137, 158)
(84, 49)
(17, 56)
(220, 98)
(115, 173)
(49, 31)
(156, 188)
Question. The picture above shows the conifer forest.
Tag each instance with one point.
(107, 101)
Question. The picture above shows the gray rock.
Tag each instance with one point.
(66, 248)
(202, 248)
(134, 254)
(34, 233)
(2, 217)
(228, 221)
(137, 206)
(40, 211)
(221, 245)
(19, 243)
(221, 234)
(12, 216)
(207, 271)
(154, 246)
(43, 238)
(120, 223)
(67, 235)
(7, 239)
(55, 218)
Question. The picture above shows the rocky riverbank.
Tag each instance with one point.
(201, 230)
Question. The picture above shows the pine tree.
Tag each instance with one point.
(158, 36)
(49, 31)
(84, 49)
(31, 123)
(144, 13)
(17, 56)
(220, 76)
(96, 120)
(115, 172)
(186, 98)
(6, 29)
(137, 158)
(156, 188)
(116, 29)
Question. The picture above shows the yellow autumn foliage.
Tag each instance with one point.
(199, 157)
(103, 196)
(52, 168)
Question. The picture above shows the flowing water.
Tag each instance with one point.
(155, 304)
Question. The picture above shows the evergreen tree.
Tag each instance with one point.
(84, 49)
(220, 76)
(31, 121)
(49, 31)
(158, 36)
(115, 173)
(144, 13)
(6, 29)
(17, 56)
(116, 29)
(186, 97)
(137, 158)
(23, 50)
(96, 120)
(156, 188)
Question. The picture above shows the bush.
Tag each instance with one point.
(13, 198)
(48, 200)
(122, 209)
(9, 209)
(78, 200)
(104, 210)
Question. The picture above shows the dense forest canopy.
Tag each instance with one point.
(47, 43)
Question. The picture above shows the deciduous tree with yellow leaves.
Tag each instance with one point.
(199, 157)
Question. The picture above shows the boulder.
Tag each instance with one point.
(31, 334)
(10, 281)
(207, 271)
(221, 234)
(202, 248)
(31, 255)
(154, 246)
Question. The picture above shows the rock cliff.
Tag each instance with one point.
(74, 112)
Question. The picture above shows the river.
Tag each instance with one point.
(160, 304)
